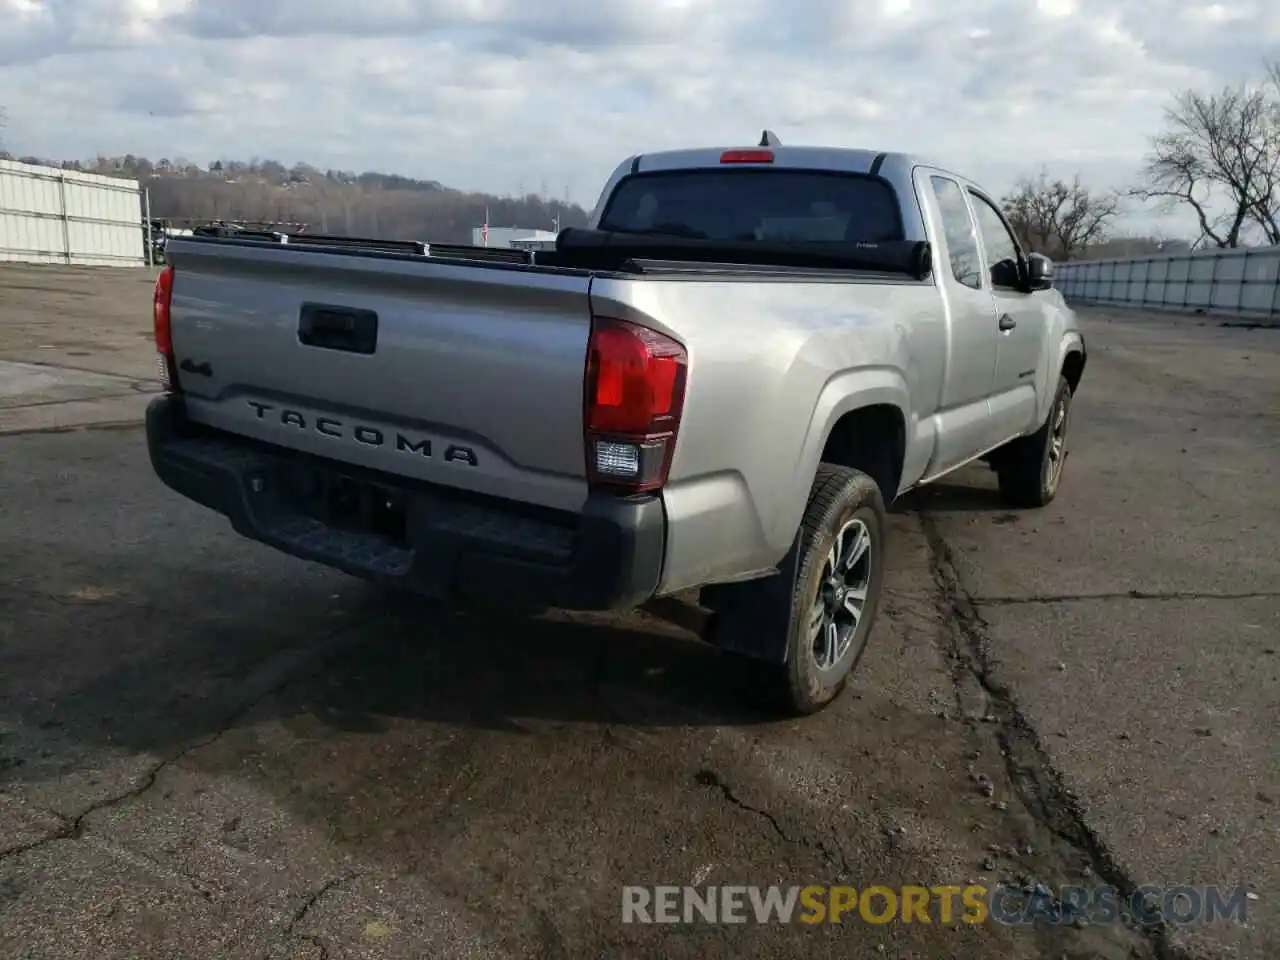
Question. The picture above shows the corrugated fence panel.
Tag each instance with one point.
(1242, 281)
(48, 215)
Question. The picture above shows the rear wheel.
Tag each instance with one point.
(837, 592)
(1030, 468)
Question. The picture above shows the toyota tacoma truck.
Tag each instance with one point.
(717, 385)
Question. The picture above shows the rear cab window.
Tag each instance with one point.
(756, 204)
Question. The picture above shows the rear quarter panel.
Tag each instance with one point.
(773, 364)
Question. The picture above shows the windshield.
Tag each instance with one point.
(756, 204)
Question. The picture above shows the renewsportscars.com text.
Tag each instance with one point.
(943, 904)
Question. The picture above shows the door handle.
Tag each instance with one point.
(1007, 322)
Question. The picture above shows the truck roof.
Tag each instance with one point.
(841, 159)
(895, 167)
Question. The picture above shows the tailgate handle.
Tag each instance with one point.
(338, 328)
(190, 366)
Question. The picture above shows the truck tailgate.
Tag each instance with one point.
(465, 375)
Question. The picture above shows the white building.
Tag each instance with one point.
(519, 238)
(51, 215)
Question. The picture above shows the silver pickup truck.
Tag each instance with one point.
(718, 384)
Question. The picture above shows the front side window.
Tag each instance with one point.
(1001, 247)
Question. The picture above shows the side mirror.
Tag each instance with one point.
(1005, 273)
(1039, 272)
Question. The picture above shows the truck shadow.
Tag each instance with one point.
(148, 647)
(178, 663)
(152, 677)
(496, 669)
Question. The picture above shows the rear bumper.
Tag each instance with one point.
(452, 546)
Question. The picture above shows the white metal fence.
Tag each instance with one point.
(48, 215)
(1242, 281)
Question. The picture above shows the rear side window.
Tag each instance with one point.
(957, 228)
(777, 204)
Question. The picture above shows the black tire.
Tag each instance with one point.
(846, 500)
(1030, 468)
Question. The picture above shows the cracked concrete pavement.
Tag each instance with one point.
(1140, 634)
(207, 749)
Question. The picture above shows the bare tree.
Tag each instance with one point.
(1265, 211)
(1059, 219)
(1219, 155)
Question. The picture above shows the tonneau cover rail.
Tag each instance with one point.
(612, 249)
(420, 248)
(580, 248)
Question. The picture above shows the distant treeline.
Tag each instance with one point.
(328, 201)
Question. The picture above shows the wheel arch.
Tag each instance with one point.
(853, 413)
(865, 429)
(1069, 362)
(872, 439)
(1073, 361)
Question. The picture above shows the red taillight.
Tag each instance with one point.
(160, 303)
(634, 396)
(747, 156)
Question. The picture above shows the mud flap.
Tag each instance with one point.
(753, 618)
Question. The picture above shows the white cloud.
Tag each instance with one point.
(504, 94)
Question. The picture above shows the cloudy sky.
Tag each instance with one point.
(501, 95)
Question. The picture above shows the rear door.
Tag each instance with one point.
(962, 424)
(470, 376)
(1020, 321)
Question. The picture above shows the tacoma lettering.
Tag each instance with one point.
(457, 454)
(360, 432)
(408, 446)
